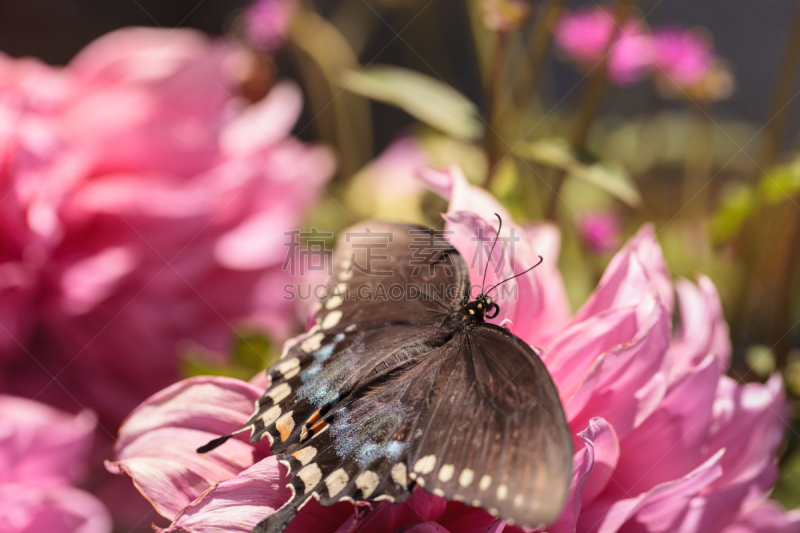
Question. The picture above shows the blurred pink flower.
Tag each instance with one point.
(43, 453)
(681, 56)
(663, 440)
(266, 22)
(600, 231)
(583, 35)
(143, 206)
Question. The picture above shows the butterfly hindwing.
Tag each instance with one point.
(494, 434)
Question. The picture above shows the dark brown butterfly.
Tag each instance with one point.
(390, 390)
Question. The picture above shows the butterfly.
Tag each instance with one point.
(401, 383)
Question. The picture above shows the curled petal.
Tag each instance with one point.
(626, 384)
(571, 353)
(702, 329)
(591, 470)
(237, 504)
(655, 510)
(158, 442)
(669, 443)
(748, 421)
(766, 517)
(634, 272)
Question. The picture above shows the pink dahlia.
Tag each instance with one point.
(43, 453)
(682, 57)
(664, 441)
(143, 207)
(583, 35)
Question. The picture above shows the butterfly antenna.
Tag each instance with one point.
(489, 260)
(541, 259)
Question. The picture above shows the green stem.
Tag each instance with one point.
(598, 81)
(779, 108)
(496, 145)
(538, 46)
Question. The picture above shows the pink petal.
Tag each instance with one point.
(420, 506)
(264, 123)
(626, 384)
(654, 511)
(634, 272)
(592, 468)
(237, 504)
(767, 517)
(423, 527)
(702, 328)
(40, 444)
(87, 282)
(157, 444)
(32, 509)
(748, 421)
(669, 443)
(462, 518)
(569, 355)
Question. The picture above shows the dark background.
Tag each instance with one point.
(750, 34)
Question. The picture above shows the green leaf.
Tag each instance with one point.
(737, 205)
(427, 99)
(584, 165)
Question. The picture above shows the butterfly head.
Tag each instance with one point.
(482, 307)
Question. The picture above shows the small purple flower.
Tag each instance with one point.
(600, 231)
(684, 57)
(583, 36)
(267, 22)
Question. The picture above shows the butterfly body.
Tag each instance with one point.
(380, 397)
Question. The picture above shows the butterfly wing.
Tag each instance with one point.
(386, 273)
(493, 432)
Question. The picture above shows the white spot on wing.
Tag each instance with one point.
(425, 465)
(466, 477)
(438, 492)
(289, 368)
(519, 500)
(502, 492)
(336, 482)
(446, 473)
(485, 482)
(331, 319)
(311, 476)
(333, 302)
(305, 455)
(350, 328)
(367, 482)
(279, 392)
(271, 415)
(312, 343)
(399, 474)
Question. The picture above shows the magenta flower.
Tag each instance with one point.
(599, 231)
(143, 209)
(663, 440)
(682, 57)
(43, 453)
(266, 22)
(584, 34)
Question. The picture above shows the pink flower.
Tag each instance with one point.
(599, 231)
(682, 57)
(266, 22)
(663, 440)
(583, 36)
(143, 208)
(43, 452)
